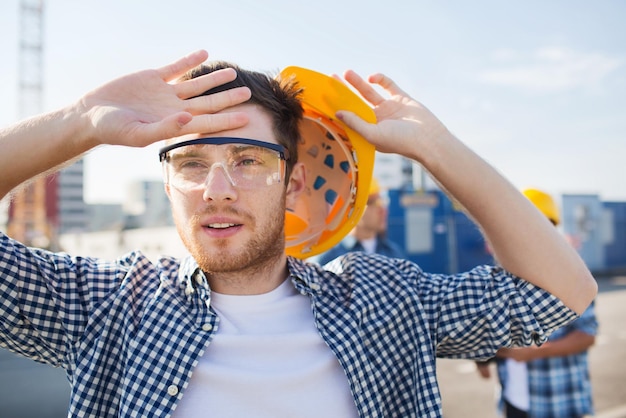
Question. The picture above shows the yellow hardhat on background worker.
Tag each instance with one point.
(544, 202)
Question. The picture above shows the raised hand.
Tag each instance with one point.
(141, 108)
(402, 122)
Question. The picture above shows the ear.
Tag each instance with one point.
(167, 191)
(296, 184)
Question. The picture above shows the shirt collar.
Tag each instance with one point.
(192, 277)
(304, 275)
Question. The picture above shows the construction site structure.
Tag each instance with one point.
(32, 212)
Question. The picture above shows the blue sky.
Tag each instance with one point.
(537, 88)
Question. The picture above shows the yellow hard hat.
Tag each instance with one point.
(544, 202)
(339, 164)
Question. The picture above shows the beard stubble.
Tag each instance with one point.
(260, 252)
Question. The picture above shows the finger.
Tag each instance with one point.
(206, 124)
(213, 103)
(182, 65)
(198, 85)
(365, 129)
(338, 78)
(183, 123)
(171, 126)
(387, 84)
(364, 88)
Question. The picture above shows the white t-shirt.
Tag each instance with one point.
(369, 245)
(267, 360)
(516, 386)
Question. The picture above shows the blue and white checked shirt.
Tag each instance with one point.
(130, 332)
(560, 387)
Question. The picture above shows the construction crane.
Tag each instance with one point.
(31, 211)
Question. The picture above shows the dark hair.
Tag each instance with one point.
(280, 98)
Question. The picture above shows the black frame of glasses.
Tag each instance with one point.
(220, 140)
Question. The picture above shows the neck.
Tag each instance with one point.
(255, 280)
(363, 234)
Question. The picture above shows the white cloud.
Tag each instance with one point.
(550, 69)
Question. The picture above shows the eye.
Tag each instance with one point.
(248, 161)
(187, 164)
(249, 157)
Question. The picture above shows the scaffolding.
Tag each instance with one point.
(29, 218)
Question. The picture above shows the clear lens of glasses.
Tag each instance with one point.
(245, 166)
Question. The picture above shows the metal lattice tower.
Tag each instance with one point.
(28, 214)
(31, 58)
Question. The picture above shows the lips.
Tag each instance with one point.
(221, 225)
(219, 221)
(221, 229)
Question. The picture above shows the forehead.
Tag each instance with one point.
(259, 127)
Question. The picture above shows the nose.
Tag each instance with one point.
(219, 185)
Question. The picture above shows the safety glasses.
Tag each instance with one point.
(246, 163)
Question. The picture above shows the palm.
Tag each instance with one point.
(401, 120)
(147, 106)
(398, 117)
(124, 108)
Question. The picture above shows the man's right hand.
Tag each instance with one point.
(144, 107)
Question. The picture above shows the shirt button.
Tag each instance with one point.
(172, 390)
(315, 287)
(207, 327)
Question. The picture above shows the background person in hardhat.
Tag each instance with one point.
(240, 327)
(370, 233)
(552, 380)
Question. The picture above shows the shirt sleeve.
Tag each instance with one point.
(477, 312)
(46, 298)
(587, 323)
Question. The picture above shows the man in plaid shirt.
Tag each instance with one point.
(239, 328)
(550, 381)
